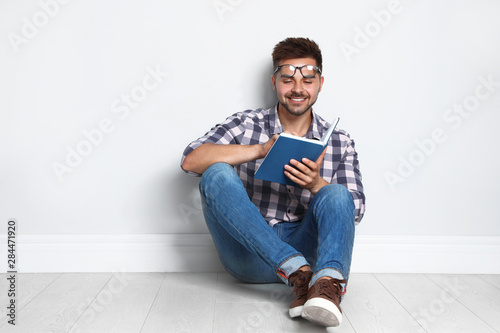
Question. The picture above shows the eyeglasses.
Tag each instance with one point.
(307, 71)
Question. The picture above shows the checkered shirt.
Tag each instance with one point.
(278, 202)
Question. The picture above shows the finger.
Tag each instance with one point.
(291, 171)
(314, 165)
(301, 166)
(310, 164)
(319, 161)
(322, 156)
(271, 141)
(295, 178)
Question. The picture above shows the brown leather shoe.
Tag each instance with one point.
(300, 281)
(323, 299)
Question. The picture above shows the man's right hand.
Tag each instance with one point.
(265, 147)
(234, 154)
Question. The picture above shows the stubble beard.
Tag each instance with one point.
(297, 111)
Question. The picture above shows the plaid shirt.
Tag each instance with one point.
(278, 202)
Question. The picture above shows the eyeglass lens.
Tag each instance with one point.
(307, 71)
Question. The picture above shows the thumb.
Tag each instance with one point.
(319, 161)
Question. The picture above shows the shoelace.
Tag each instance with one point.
(330, 288)
(300, 291)
(301, 286)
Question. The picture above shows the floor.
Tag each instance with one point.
(216, 302)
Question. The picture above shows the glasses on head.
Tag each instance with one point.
(307, 71)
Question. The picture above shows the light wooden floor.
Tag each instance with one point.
(215, 302)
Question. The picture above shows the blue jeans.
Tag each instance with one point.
(252, 251)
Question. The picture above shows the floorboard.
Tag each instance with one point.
(246, 307)
(262, 317)
(433, 307)
(58, 305)
(185, 303)
(219, 303)
(70, 290)
(28, 286)
(479, 296)
(122, 305)
(492, 279)
(370, 307)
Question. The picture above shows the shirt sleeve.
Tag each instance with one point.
(348, 174)
(228, 132)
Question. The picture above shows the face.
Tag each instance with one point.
(297, 94)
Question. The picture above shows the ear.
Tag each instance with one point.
(321, 83)
(273, 81)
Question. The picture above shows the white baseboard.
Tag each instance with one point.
(196, 253)
(427, 254)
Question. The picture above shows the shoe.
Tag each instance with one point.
(300, 282)
(322, 305)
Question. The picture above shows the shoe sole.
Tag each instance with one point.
(296, 311)
(322, 312)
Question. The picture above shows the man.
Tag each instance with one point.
(268, 232)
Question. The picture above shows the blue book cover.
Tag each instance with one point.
(289, 147)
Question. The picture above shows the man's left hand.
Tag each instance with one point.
(306, 173)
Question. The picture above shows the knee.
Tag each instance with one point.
(219, 174)
(336, 196)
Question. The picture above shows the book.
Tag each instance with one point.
(288, 147)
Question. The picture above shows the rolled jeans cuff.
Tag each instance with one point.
(290, 266)
(331, 272)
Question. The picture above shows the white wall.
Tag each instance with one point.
(68, 71)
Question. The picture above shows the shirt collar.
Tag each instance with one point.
(275, 126)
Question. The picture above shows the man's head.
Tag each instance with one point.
(297, 77)
(291, 48)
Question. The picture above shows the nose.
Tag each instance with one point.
(297, 87)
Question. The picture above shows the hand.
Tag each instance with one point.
(265, 147)
(306, 174)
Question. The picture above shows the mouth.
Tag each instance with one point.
(297, 100)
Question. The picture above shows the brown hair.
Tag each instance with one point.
(297, 47)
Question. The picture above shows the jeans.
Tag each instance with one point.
(252, 251)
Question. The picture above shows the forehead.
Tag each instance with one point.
(298, 62)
